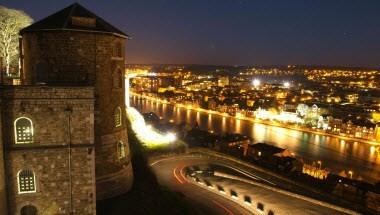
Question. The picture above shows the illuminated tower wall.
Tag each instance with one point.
(74, 47)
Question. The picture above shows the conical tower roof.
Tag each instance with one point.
(74, 17)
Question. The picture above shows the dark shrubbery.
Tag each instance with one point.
(146, 197)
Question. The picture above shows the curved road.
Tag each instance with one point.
(171, 173)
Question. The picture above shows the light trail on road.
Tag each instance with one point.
(176, 176)
(229, 212)
(145, 133)
(204, 189)
(173, 168)
(252, 176)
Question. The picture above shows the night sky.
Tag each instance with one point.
(233, 32)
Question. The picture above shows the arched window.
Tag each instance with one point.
(28, 210)
(117, 116)
(26, 181)
(121, 149)
(23, 128)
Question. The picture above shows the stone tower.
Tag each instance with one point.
(75, 47)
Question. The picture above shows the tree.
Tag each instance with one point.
(11, 22)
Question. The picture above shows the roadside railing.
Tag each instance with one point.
(255, 207)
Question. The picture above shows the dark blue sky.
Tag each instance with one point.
(238, 32)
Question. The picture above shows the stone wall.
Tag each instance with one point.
(48, 108)
(3, 191)
(62, 155)
(112, 172)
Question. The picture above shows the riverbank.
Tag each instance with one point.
(258, 121)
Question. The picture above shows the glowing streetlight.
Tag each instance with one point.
(350, 173)
(320, 164)
(170, 137)
(256, 82)
(287, 84)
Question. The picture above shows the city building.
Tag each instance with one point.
(223, 81)
(63, 129)
(377, 132)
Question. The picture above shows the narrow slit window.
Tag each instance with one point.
(118, 79)
(121, 149)
(118, 116)
(118, 50)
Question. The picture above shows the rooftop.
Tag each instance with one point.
(74, 17)
(267, 148)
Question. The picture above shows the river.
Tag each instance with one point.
(335, 154)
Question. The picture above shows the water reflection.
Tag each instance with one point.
(335, 154)
(188, 119)
(224, 124)
(238, 126)
(209, 122)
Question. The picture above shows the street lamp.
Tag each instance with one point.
(287, 84)
(256, 82)
(320, 164)
(170, 137)
(350, 173)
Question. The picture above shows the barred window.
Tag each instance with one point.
(26, 181)
(117, 116)
(121, 149)
(23, 128)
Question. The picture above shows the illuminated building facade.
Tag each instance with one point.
(64, 129)
(377, 132)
